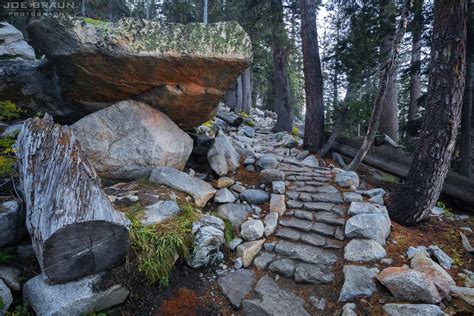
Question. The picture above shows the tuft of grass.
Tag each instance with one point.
(228, 230)
(19, 310)
(244, 114)
(9, 111)
(158, 246)
(250, 123)
(94, 22)
(7, 155)
(447, 212)
(294, 131)
(7, 255)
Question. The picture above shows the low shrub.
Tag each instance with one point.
(9, 111)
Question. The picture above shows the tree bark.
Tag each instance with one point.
(415, 64)
(231, 118)
(74, 229)
(283, 97)
(389, 117)
(433, 153)
(246, 90)
(314, 121)
(388, 73)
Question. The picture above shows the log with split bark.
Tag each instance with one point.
(231, 118)
(74, 229)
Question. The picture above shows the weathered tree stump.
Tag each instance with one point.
(74, 229)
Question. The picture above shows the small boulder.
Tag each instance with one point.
(253, 196)
(267, 176)
(12, 223)
(248, 250)
(465, 293)
(347, 179)
(160, 212)
(248, 131)
(73, 298)
(267, 162)
(6, 298)
(408, 284)
(311, 161)
(412, 251)
(207, 242)
(364, 250)
(11, 277)
(413, 309)
(252, 229)
(234, 243)
(278, 187)
(129, 139)
(277, 204)
(236, 285)
(370, 226)
(235, 213)
(224, 182)
(358, 282)
(200, 190)
(271, 222)
(222, 156)
(224, 196)
(263, 261)
(434, 272)
(444, 260)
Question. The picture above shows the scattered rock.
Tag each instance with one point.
(252, 229)
(434, 272)
(410, 285)
(387, 261)
(465, 293)
(318, 303)
(273, 300)
(412, 309)
(358, 282)
(207, 242)
(12, 130)
(278, 187)
(235, 213)
(236, 285)
(267, 176)
(444, 260)
(311, 273)
(349, 309)
(370, 226)
(222, 156)
(364, 250)
(6, 297)
(248, 250)
(412, 251)
(238, 188)
(374, 192)
(277, 204)
(253, 196)
(234, 243)
(284, 267)
(248, 131)
(378, 199)
(262, 261)
(224, 182)
(159, 212)
(224, 196)
(271, 222)
(438, 211)
(466, 244)
(347, 179)
(209, 220)
(129, 139)
(11, 277)
(12, 223)
(310, 161)
(200, 190)
(357, 208)
(302, 155)
(12, 44)
(352, 197)
(73, 298)
(267, 162)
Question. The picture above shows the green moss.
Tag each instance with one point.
(388, 178)
(244, 114)
(294, 131)
(7, 155)
(250, 123)
(9, 111)
(228, 230)
(7, 255)
(157, 246)
(95, 22)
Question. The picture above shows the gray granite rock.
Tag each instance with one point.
(252, 229)
(300, 224)
(224, 196)
(273, 300)
(248, 250)
(413, 309)
(263, 261)
(284, 267)
(358, 282)
(311, 273)
(71, 299)
(444, 260)
(304, 215)
(207, 243)
(236, 285)
(327, 197)
(11, 277)
(347, 179)
(310, 161)
(378, 199)
(160, 212)
(278, 187)
(329, 218)
(370, 226)
(235, 213)
(288, 233)
(434, 272)
(324, 229)
(313, 239)
(412, 251)
(374, 192)
(12, 223)
(6, 298)
(253, 196)
(318, 303)
(267, 176)
(357, 208)
(277, 204)
(364, 250)
(294, 204)
(234, 243)
(222, 156)
(349, 309)
(305, 253)
(352, 197)
(318, 206)
(224, 182)
(271, 222)
(267, 162)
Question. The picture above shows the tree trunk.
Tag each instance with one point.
(231, 118)
(83, 8)
(389, 117)
(339, 123)
(433, 153)
(283, 97)
(388, 73)
(246, 90)
(313, 79)
(231, 96)
(204, 14)
(415, 66)
(74, 229)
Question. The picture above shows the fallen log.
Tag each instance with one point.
(231, 118)
(74, 229)
(397, 162)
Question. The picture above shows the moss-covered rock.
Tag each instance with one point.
(182, 70)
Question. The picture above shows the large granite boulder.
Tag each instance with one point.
(12, 45)
(129, 139)
(175, 68)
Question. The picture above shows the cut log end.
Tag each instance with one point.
(84, 248)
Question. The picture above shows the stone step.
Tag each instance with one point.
(306, 253)
(312, 239)
(301, 272)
